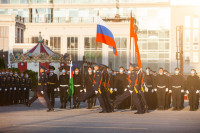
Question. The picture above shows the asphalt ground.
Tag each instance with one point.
(22, 119)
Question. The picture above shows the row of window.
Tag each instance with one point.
(76, 1)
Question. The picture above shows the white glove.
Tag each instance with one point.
(115, 89)
(96, 92)
(67, 90)
(84, 90)
(20, 89)
(155, 89)
(111, 89)
(131, 91)
(197, 91)
(182, 91)
(152, 90)
(0, 89)
(10, 88)
(24, 88)
(166, 89)
(146, 89)
(58, 89)
(55, 89)
(125, 89)
(42, 92)
(81, 90)
(15, 88)
(187, 91)
(5, 89)
(170, 91)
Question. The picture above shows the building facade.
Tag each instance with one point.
(69, 26)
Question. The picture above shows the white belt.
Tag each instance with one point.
(63, 85)
(161, 86)
(77, 85)
(176, 86)
(149, 85)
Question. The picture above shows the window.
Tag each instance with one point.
(195, 22)
(187, 36)
(55, 44)
(196, 37)
(72, 47)
(187, 21)
(34, 40)
(195, 57)
(90, 49)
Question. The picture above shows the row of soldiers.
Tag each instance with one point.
(134, 88)
(144, 90)
(14, 89)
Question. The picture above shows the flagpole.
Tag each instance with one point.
(96, 46)
(130, 43)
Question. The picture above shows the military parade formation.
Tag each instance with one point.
(133, 88)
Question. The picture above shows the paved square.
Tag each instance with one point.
(21, 119)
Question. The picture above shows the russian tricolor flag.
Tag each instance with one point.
(104, 35)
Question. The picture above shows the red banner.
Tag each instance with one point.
(22, 66)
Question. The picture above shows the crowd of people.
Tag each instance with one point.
(123, 89)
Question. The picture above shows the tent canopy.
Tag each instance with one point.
(40, 48)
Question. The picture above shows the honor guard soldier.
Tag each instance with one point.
(21, 89)
(161, 86)
(177, 87)
(168, 94)
(131, 91)
(12, 91)
(28, 87)
(96, 90)
(52, 85)
(104, 89)
(150, 94)
(121, 82)
(63, 88)
(4, 89)
(16, 88)
(192, 86)
(88, 85)
(140, 86)
(41, 90)
(9, 87)
(1, 90)
(77, 87)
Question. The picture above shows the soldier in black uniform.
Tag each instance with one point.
(12, 91)
(96, 90)
(28, 87)
(52, 85)
(16, 88)
(21, 89)
(88, 85)
(77, 87)
(168, 93)
(177, 87)
(140, 86)
(9, 87)
(161, 86)
(121, 82)
(104, 89)
(41, 90)
(4, 89)
(150, 94)
(192, 86)
(63, 87)
(1, 90)
(131, 91)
